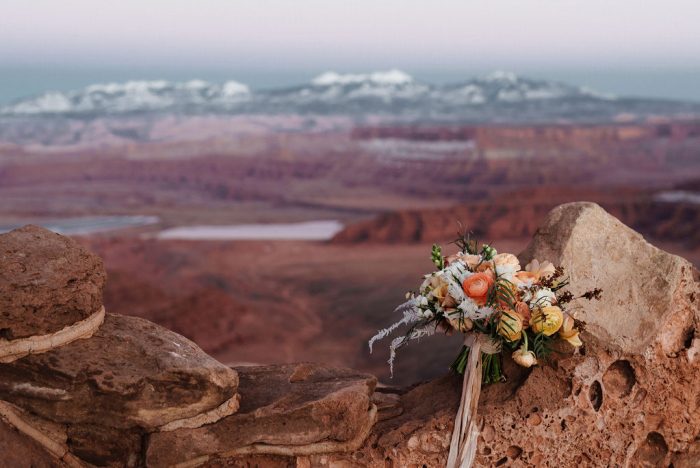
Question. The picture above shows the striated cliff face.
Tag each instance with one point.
(518, 215)
(81, 387)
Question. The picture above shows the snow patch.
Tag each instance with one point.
(388, 78)
(500, 75)
(234, 88)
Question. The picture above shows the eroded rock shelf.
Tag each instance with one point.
(127, 392)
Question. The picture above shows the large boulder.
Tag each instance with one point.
(131, 373)
(47, 282)
(649, 296)
(286, 410)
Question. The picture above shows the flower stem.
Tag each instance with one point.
(460, 363)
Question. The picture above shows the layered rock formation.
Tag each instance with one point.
(518, 214)
(95, 397)
(133, 394)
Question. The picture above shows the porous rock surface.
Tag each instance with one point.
(47, 282)
(629, 397)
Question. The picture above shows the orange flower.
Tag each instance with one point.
(524, 311)
(477, 287)
(526, 278)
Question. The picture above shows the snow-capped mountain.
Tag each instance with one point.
(133, 96)
(507, 87)
(497, 97)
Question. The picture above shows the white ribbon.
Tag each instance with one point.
(466, 431)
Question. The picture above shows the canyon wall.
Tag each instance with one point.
(82, 387)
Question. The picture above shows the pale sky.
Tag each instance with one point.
(351, 34)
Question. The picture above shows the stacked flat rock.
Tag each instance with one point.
(94, 396)
(288, 410)
(50, 291)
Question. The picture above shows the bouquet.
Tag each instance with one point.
(499, 307)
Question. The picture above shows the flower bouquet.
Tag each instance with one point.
(499, 307)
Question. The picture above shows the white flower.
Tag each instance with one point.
(544, 297)
(472, 311)
(455, 290)
(468, 307)
(523, 357)
(457, 270)
(506, 271)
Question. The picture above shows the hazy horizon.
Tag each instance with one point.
(620, 47)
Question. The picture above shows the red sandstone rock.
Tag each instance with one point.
(629, 397)
(130, 374)
(285, 410)
(17, 450)
(47, 282)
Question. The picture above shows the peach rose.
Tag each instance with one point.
(477, 287)
(525, 278)
(486, 267)
(470, 260)
(507, 260)
(542, 270)
(440, 292)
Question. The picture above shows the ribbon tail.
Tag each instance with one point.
(466, 431)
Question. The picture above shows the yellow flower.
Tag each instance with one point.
(523, 357)
(569, 333)
(510, 326)
(546, 320)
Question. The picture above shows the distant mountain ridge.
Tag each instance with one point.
(163, 111)
(499, 96)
